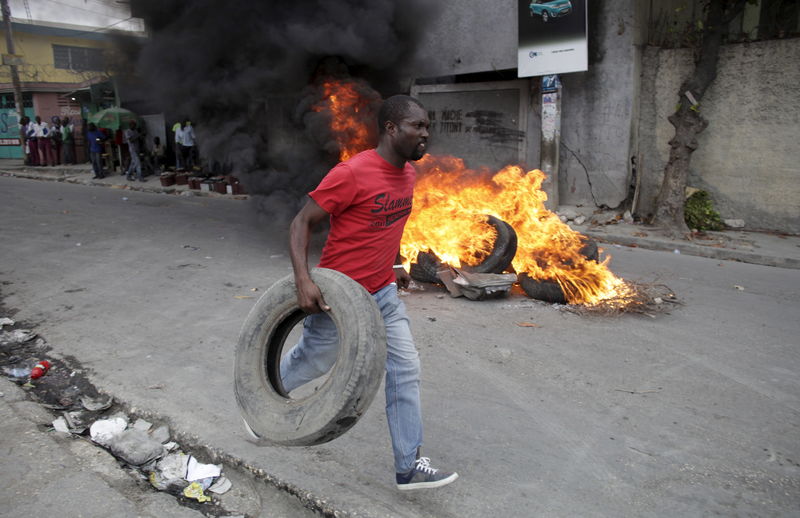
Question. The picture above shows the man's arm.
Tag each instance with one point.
(309, 298)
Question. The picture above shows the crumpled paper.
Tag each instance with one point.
(195, 491)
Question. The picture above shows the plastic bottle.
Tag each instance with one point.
(40, 369)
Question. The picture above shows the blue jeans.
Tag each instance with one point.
(135, 165)
(316, 353)
(97, 163)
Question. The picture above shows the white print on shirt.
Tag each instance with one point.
(390, 210)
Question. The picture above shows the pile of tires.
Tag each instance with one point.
(267, 410)
(497, 261)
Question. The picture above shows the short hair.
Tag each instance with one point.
(394, 109)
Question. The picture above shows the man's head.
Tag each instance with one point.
(92, 127)
(132, 124)
(403, 127)
(38, 120)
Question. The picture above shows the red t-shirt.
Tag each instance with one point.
(369, 201)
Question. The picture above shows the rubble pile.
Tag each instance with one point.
(144, 448)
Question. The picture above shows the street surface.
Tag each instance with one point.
(693, 413)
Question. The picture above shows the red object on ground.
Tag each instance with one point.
(40, 369)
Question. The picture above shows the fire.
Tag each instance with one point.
(352, 114)
(451, 203)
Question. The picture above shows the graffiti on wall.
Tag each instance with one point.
(487, 124)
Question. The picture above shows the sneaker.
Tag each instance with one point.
(423, 476)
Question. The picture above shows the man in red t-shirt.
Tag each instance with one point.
(368, 200)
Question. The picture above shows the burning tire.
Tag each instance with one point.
(550, 291)
(503, 251)
(424, 270)
(331, 410)
(590, 251)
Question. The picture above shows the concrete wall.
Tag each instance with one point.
(470, 36)
(748, 158)
(599, 106)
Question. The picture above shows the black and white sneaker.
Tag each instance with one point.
(423, 476)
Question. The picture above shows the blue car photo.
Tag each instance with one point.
(548, 9)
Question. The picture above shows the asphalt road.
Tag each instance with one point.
(693, 413)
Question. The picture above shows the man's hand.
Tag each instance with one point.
(403, 278)
(309, 298)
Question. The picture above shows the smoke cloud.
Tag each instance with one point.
(248, 74)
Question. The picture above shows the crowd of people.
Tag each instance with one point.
(48, 144)
(54, 144)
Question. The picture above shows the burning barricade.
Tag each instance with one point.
(449, 222)
(467, 224)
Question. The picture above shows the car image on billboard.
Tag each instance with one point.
(549, 9)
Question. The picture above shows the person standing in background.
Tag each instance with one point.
(56, 141)
(188, 146)
(24, 122)
(157, 155)
(131, 137)
(178, 129)
(33, 140)
(94, 140)
(43, 139)
(68, 141)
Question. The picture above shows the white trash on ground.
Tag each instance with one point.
(103, 430)
(198, 470)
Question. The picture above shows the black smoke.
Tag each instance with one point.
(247, 73)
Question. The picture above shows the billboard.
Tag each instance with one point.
(552, 37)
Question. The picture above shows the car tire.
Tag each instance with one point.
(425, 268)
(551, 291)
(545, 290)
(545, 17)
(497, 261)
(354, 379)
(503, 250)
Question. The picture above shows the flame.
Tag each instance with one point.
(448, 218)
(452, 202)
(350, 111)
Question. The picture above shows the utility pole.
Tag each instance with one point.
(12, 60)
(551, 136)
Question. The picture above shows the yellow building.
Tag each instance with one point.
(64, 72)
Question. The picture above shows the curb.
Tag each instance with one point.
(70, 176)
(725, 254)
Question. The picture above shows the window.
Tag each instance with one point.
(78, 58)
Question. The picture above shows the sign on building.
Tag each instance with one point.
(552, 37)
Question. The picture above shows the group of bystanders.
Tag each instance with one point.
(48, 144)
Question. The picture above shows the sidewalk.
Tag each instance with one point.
(765, 248)
(769, 249)
(47, 473)
(82, 174)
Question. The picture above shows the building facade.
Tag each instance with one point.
(614, 135)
